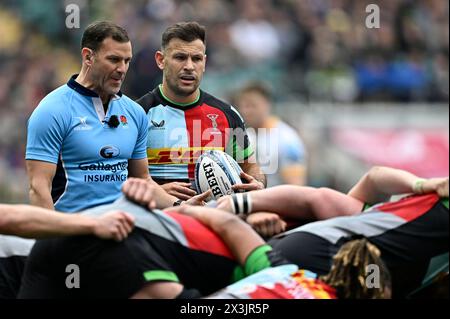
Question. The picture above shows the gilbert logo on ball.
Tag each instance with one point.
(218, 172)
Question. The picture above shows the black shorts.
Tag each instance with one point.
(11, 270)
(118, 270)
(306, 250)
(406, 250)
(106, 269)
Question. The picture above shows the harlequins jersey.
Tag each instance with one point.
(167, 247)
(179, 134)
(282, 282)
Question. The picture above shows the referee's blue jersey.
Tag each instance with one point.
(69, 128)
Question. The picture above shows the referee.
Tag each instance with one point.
(86, 138)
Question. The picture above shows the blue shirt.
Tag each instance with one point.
(69, 128)
(278, 148)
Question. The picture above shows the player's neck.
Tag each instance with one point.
(84, 80)
(179, 100)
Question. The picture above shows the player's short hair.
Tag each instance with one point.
(256, 87)
(185, 31)
(96, 32)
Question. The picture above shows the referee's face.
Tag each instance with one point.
(183, 64)
(109, 66)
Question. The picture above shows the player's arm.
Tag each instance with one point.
(239, 237)
(40, 175)
(380, 183)
(298, 202)
(146, 192)
(36, 222)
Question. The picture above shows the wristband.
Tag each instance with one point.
(241, 204)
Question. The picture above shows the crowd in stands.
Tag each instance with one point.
(306, 50)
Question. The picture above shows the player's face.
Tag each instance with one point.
(110, 65)
(183, 64)
(254, 108)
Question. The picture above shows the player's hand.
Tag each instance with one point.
(267, 224)
(252, 184)
(179, 190)
(199, 200)
(210, 217)
(113, 225)
(436, 185)
(140, 191)
(225, 203)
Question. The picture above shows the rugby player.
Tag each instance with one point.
(185, 121)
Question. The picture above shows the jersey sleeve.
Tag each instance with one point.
(46, 132)
(140, 150)
(292, 151)
(261, 258)
(238, 146)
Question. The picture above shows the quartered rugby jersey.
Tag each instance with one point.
(68, 128)
(179, 134)
(179, 248)
(282, 282)
(410, 233)
(380, 219)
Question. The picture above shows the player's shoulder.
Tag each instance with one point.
(226, 107)
(213, 101)
(282, 125)
(287, 131)
(148, 100)
(132, 106)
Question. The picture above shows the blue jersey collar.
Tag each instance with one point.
(74, 85)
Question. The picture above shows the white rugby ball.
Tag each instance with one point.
(218, 172)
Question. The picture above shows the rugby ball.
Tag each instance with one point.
(218, 172)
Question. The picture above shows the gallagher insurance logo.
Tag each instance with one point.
(109, 152)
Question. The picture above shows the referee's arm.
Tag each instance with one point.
(41, 176)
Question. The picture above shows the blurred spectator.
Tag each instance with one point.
(253, 36)
(279, 150)
(308, 50)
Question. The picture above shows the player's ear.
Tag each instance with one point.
(159, 58)
(206, 61)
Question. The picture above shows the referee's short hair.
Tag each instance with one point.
(96, 32)
(186, 31)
